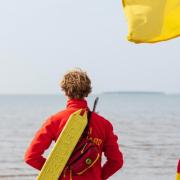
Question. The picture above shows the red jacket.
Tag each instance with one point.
(178, 167)
(101, 132)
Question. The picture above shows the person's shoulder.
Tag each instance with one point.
(58, 116)
(59, 113)
(101, 119)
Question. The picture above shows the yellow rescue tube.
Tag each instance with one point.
(64, 146)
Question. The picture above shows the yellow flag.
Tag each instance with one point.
(152, 21)
(178, 176)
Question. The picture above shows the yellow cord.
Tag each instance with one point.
(70, 174)
(65, 172)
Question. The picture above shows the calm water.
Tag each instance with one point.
(148, 127)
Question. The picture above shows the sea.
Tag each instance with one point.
(147, 125)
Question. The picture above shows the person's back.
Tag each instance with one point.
(77, 86)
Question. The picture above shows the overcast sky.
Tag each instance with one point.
(42, 39)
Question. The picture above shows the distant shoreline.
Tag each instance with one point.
(135, 92)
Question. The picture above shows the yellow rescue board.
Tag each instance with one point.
(64, 146)
(178, 176)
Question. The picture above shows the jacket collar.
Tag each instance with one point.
(77, 103)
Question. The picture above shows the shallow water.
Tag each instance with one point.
(148, 126)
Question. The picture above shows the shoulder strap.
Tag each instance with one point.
(89, 113)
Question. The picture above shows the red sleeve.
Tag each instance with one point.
(112, 153)
(41, 142)
(178, 167)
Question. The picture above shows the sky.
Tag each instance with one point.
(41, 39)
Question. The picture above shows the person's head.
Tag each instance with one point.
(76, 84)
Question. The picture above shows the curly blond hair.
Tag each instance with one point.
(76, 84)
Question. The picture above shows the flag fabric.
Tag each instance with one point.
(178, 171)
(151, 21)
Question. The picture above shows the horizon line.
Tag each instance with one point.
(103, 92)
